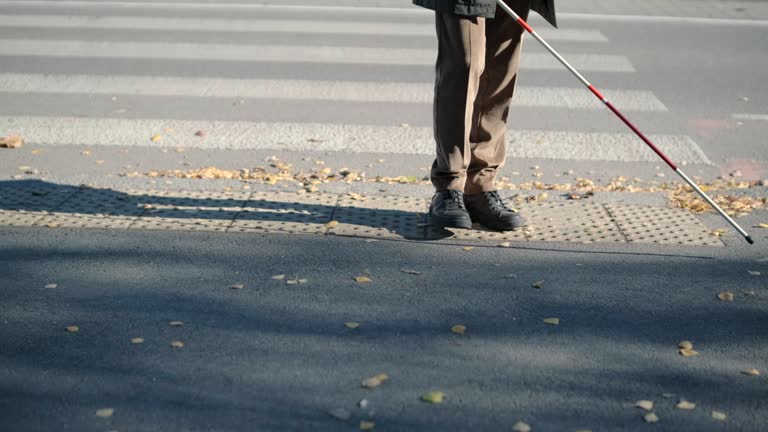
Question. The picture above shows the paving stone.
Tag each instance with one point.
(567, 221)
(380, 217)
(662, 225)
(285, 212)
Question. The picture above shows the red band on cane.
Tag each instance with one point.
(525, 25)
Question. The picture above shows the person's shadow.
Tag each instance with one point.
(41, 203)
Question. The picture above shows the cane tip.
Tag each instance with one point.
(749, 240)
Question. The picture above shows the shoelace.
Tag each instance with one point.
(495, 202)
(457, 200)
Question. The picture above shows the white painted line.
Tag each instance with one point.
(280, 53)
(751, 117)
(557, 97)
(408, 11)
(264, 26)
(334, 137)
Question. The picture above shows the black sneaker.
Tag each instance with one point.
(489, 210)
(447, 210)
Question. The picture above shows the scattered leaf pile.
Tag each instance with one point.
(11, 142)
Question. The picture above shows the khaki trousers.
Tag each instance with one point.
(476, 71)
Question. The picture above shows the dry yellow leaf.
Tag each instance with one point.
(176, 323)
(552, 321)
(685, 345)
(644, 404)
(278, 277)
(719, 232)
(468, 248)
(367, 425)
(687, 352)
(459, 329)
(651, 418)
(237, 286)
(11, 142)
(36, 151)
(363, 279)
(719, 415)
(505, 244)
(177, 344)
(685, 405)
(763, 225)
(726, 296)
(374, 381)
(52, 286)
(137, 340)
(352, 325)
(521, 427)
(751, 372)
(156, 138)
(73, 329)
(105, 412)
(538, 284)
(433, 397)
(331, 224)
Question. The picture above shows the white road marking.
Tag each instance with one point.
(750, 117)
(557, 97)
(253, 25)
(281, 53)
(334, 137)
(408, 10)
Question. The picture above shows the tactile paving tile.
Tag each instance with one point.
(81, 220)
(34, 195)
(20, 218)
(285, 212)
(187, 210)
(570, 221)
(662, 225)
(93, 208)
(380, 217)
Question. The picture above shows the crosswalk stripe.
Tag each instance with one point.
(271, 26)
(334, 137)
(281, 53)
(561, 97)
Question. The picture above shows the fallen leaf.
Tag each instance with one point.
(11, 142)
(433, 397)
(237, 286)
(719, 232)
(754, 273)
(685, 345)
(552, 321)
(685, 405)
(200, 133)
(763, 225)
(352, 325)
(340, 414)
(644, 404)
(52, 286)
(292, 282)
(363, 403)
(177, 344)
(718, 415)
(176, 323)
(538, 285)
(278, 277)
(374, 381)
(468, 248)
(410, 272)
(105, 412)
(137, 340)
(331, 224)
(73, 329)
(751, 372)
(459, 329)
(651, 418)
(363, 279)
(505, 244)
(156, 138)
(367, 425)
(725, 296)
(521, 427)
(687, 352)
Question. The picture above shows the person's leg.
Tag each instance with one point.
(504, 40)
(460, 62)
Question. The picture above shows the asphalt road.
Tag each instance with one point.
(273, 356)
